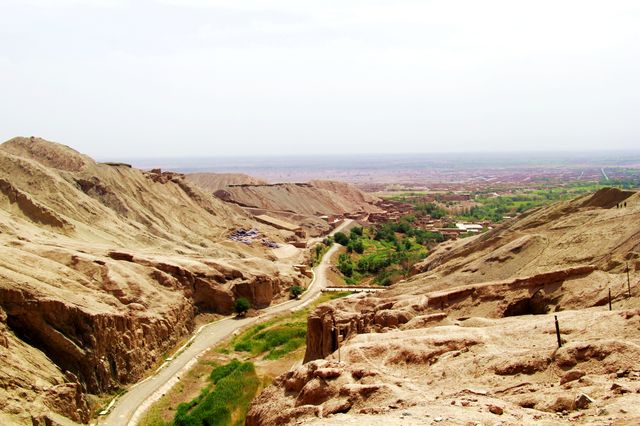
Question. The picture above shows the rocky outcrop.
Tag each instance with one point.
(68, 400)
(506, 289)
(32, 209)
(519, 296)
(260, 291)
(318, 389)
(27, 381)
(207, 291)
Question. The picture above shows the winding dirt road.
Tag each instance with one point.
(128, 409)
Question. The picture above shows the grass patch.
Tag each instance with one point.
(275, 342)
(277, 337)
(225, 401)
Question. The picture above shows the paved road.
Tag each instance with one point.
(352, 289)
(130, 406)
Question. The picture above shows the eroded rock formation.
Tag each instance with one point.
(103, 269)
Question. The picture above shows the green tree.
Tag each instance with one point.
(341, 238)
(345, 265)
(356, 232)
(296, 291)
(241, 306)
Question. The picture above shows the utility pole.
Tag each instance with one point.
(558, 332)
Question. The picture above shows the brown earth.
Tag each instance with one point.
(471, 337)
(103, 269)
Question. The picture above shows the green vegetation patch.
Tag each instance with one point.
(225, 401)
(386, 254)
(277, 337)
(275, 341)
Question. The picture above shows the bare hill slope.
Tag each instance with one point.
(303, 204)
(471, 337)
(214, 181)
(102, 270)
(315, 198)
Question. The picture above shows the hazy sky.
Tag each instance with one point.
(115, 78)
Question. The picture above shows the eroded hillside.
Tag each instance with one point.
(103, 269)
(315, 198)
(302, 204)
(471, 337)
(212, 182)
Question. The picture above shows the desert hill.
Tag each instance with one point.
(212, 182)
(314, 198)
(303, 204)
(471, 337)
(103, 268)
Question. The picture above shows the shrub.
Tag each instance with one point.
(243, 346)
(345, 265)
(241, 306)
(356, 232)
(341, 238)
(296, 291)
(355, 246)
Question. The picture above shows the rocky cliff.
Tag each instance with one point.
(103, 269)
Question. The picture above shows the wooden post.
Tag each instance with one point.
(628, 280)
(558, 332)
(609, 299)
(339, 360)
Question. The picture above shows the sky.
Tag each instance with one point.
(188, 78)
